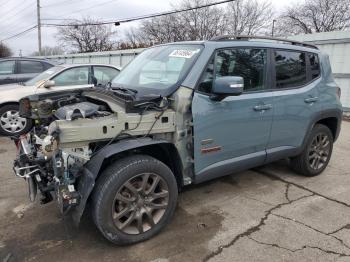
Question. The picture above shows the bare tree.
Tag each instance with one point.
(316, 16)
(239, 17)
(48, 50)
(5, 50)
(248, 17)
(163, 30)
(135, 38)
(197, 24)
(87, 38)
(203, 23)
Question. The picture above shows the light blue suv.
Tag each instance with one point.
(178, 114)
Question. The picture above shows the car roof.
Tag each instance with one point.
(91, 64)
(252, 41)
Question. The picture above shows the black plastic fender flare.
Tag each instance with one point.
(92, 169)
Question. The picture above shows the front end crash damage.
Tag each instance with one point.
(75, 134)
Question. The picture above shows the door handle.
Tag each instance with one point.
(262, 107)
(311, 100)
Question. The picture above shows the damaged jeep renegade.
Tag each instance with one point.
(178, 114)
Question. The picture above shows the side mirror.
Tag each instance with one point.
(227, 86)
(49, 83)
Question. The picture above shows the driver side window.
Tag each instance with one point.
(249, 63)
(73, 76)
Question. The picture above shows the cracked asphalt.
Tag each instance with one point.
(265, 214)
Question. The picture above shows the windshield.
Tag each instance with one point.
(44, 75)
(158, 69)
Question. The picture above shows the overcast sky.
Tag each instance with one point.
(18, 15)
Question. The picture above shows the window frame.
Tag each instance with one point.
(309, 79)
(73, 67)
(319, 65)
(268, 77)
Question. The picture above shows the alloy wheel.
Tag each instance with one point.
(11, 122)
(319, 151)
(140, 203)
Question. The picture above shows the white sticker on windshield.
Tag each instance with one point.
(183, 53)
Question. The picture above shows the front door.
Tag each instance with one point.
(70, 79)
(232, 134)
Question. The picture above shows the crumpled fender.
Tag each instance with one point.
(92, 169)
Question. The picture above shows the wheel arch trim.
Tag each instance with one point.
(92, 169)
(331, 113)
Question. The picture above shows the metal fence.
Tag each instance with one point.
(118, 58)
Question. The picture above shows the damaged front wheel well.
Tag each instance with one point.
(166, 153)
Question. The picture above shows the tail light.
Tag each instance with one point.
(338, 92)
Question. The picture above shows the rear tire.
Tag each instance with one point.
(316, 154)
(134, 199)
(11, 124)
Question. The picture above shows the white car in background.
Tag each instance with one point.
(57, 78)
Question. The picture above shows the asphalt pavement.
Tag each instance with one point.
(265, 214)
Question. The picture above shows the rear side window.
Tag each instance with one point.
(7, 67)
(103, 75)
(314, 65)
(28, 67)
(290, 69)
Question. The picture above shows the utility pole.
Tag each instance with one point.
(39, 26)
(273, 27)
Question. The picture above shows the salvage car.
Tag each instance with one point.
(62, 77)
(178, 114)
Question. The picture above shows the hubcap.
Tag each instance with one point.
(140, 203)
(319, 151)
(11, 122)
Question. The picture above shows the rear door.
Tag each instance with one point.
(232, 134)
(296, 95)
(28, 69)
(7, 72)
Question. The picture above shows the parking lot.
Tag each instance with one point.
(265, 214)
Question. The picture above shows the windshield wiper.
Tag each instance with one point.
(124, 89)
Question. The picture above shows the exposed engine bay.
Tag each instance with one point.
(71, 128)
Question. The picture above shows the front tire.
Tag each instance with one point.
(134, 199)
(11, 124)
(316, 154)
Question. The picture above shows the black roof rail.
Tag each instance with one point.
(248, 37)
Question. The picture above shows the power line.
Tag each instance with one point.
(16, 27)
(140, 17)
(13, 8)
(25, 8)
(20, 33)
(87, 8)
(60, 3)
